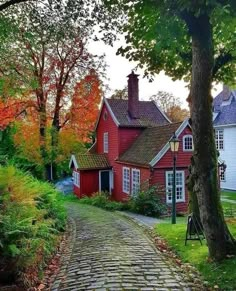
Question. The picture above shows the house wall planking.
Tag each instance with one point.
(229, 157)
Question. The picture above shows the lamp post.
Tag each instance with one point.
(174, 146)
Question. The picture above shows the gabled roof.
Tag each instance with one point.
(225, 108)
(150, 114)
(152, 144)
(89, 161)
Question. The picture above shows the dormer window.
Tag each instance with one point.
(188, 143)
(105, 142)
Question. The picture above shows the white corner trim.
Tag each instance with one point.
(167, 146)
(73, 160)
(162, 112)
(111, 112)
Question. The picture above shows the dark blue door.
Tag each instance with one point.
(105, 181)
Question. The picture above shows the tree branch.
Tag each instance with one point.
(221, 60)
(10, 3)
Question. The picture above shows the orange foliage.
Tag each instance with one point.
(10, 110)
(85, 105)
(26, 139)
(68, 144)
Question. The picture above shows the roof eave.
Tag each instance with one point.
(104, 101)
(224, 125)
(73, 161)
(95, 168)
(141, 165)
(162, 112)
(166, 147)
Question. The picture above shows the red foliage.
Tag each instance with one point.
(85, 105)
(10, 110)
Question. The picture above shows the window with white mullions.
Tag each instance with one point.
(222, 173)
(135, 181)
(188, 142)
(105, 142)
(76, 177)
(180, 191)
(219, 139)
(126, 180)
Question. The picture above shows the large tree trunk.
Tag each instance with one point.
(42, 140)
(193, 207)
(42, 110)
(55, 134)
(220, 241)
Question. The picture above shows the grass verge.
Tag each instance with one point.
(221, 275)
(229, 195)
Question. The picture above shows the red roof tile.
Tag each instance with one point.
(149, 144)
(92, 161)
(149, 113)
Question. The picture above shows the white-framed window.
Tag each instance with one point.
(188, 143)
(135, 181)
(222, 173)
(105, 142)
(126, 180)
(76, 177)
(219, 138)
(180, 189)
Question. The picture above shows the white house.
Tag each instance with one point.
(224, 121)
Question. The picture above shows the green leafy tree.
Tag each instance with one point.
(194, 40)
(5, 4)
(121, 94)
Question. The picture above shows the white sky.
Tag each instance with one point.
(119, 67)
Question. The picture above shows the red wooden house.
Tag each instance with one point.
(131, 149)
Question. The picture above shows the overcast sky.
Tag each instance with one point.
(119, 67)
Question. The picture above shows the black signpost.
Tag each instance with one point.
(194, 229)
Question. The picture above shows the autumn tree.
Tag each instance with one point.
(194, 40)
(85, 105)
(49, 55)
(171, 105)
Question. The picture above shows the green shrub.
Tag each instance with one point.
(30, 220)
(148, 203)
(102, 200)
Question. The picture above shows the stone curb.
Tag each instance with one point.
(65, 259)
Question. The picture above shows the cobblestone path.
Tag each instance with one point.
(111, 253)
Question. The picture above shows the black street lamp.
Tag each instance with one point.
(174, 146)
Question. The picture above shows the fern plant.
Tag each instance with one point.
(31, 219)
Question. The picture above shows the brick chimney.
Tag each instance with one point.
(226, 92)
(133, 95)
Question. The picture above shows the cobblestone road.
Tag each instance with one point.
(111, 253)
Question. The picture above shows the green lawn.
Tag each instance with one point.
(229, 195)
(229, 208)
(221, 275)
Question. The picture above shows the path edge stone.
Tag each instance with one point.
(65, 259)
